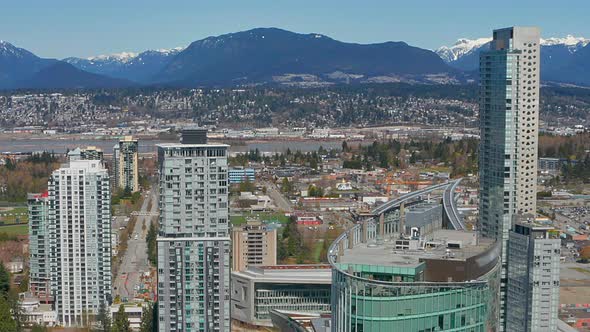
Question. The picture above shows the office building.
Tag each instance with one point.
(253, 244)
(509, 118)
(38, 208)
(193, 241)
(79, 240)
(533, 277)
(259, 289)
(240, 174)
(125, 164)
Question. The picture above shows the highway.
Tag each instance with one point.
(402, 199)
(450, 206)
(135, 261)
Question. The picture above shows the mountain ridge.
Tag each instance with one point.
(277, 56)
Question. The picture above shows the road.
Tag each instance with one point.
(135, 261)
(280, 201)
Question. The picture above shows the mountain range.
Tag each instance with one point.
(275, 56)
(563, 60)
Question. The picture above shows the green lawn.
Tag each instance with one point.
(261, 216)
(14, 215)
(317, 251)
(15, 229)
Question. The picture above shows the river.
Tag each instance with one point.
(147, 146)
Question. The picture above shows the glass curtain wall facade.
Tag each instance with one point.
(38, 206)
(367, 305)
(509, 103)
(391, 298)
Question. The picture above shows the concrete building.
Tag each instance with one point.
(89, 153)
(240, 174)
(509, 121)
(33, 312)
(79, 240)
(125, 164)
(134, 312)
(38, 206)
(193, 240)
(534, 252)
(253, 244)
(258, 290)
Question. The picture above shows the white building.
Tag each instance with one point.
(79, 240)
(193, 241)
(134, 312)
(35, 313)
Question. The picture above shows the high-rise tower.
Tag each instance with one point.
(193, 241)
(532, 295)
(38, 206)
(509, 116)
(79, 240)
(125, 164)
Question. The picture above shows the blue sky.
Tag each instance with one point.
(61, 28)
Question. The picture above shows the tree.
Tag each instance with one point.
(286, 186)
(147, 319)
(103, 318)
(7, 322)
(4, 281)
(39, 328)
(121, 323)
(151, 243)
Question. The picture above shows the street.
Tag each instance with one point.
(135, 261)
(279, 199)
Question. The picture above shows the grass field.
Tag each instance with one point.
(14, 215)
(262, 216)
(15, 229)
(317, 251)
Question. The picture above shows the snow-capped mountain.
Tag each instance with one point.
(138, 67)
(461, 48)
(464, 54)
(561, 57)
(571, 42)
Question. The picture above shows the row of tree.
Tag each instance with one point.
(461, 155)
(26, 176)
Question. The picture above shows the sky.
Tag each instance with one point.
(63, 28)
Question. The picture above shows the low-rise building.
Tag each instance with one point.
(301, 288)
(33, 312)
(306, 218)
(241, 174)
(133, 311)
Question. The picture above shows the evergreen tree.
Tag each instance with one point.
(4, 281)
(147, 319)
(121, 323)
(7, 322)
(103, 318)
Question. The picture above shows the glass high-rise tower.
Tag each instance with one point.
(193, 240)
(509, 117)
